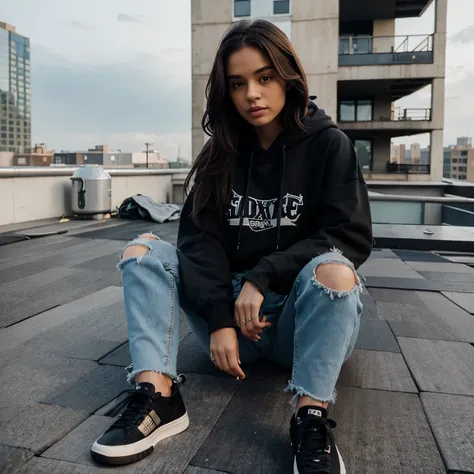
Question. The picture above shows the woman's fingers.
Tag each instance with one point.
(240, 320)
(233, 365)
(229, 363)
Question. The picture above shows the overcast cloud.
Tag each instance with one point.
(119, 72)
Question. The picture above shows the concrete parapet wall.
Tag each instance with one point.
(28, 198)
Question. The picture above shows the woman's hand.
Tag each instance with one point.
(225, 351)
(247, 311)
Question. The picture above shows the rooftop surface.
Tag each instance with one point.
(405, 397)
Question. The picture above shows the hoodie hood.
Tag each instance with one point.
(315, 122)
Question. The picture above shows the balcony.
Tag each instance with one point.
(369, 109)
(385, 50)
(413, 114)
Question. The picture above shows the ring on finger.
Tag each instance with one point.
(248, 320)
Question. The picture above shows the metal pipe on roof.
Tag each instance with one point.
(422, 199)
(39, 171)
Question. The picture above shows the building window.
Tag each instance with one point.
(355, 111)
(281, 7)
(347, 111)
(463, 152)
(241, 7)
(364, 153)
(355, 44)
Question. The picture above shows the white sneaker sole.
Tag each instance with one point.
(133, 452)
(341, 463)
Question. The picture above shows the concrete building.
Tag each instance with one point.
(155, 160)
(447, 161)
(65, 157)
(355, 65)
(6, 158)
(39, 155)
(101, 155)
(395, 153)
(425, 156)
(15, 91)
(464, 141)
(415, 153)
(459, 160)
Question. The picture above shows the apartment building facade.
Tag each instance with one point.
(15, 91)
(355, 65)
(459, 160)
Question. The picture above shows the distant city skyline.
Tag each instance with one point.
(15, 90)
(120, 73)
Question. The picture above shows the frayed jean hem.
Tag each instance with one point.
(131, 374)
(300, 391)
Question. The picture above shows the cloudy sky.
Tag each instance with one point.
(119, 71)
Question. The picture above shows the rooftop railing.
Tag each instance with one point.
(423, 199)
(372, 50)
(413, 114)
(402, 168)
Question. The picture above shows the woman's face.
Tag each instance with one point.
(256, 90)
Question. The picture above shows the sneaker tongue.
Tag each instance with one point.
(309, 411)
(146, 388)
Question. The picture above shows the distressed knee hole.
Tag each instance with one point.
(135, 250)
(149, 236)
(337, 277)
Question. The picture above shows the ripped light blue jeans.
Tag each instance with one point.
(314, 328)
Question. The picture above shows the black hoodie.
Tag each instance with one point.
(302, 197)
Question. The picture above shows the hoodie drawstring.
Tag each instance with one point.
(280, 198)
(244, 202)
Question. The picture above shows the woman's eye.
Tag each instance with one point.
(266, 78)
(236, 85)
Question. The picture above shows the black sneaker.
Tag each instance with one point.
(313, 443)
(148, 419)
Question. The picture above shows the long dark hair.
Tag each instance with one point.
(214, 168)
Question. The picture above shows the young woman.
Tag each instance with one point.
(270, 237)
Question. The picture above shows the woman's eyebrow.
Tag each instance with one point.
(258, 71)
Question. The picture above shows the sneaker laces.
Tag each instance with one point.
(313, 446)
(138, 407)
